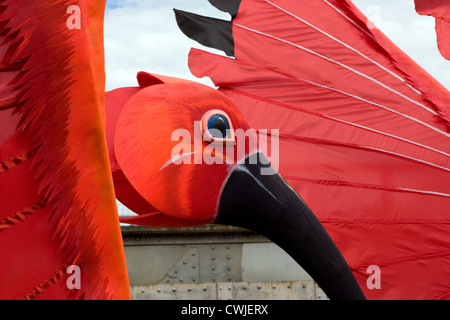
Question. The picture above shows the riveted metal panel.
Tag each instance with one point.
(209, 234)
(291, 290)
(320, 295)
(186, 269)
(220, 262)
(149, 264)
(268, 262)
(232, 263)
(206, 291)
(168, 264)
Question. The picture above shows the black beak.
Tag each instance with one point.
(265, 203)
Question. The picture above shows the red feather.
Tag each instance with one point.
(364, 134)
(56, 191)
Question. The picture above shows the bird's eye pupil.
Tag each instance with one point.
(218, 126)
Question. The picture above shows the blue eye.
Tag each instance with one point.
(218, 126)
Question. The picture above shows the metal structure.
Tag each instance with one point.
(212, 262)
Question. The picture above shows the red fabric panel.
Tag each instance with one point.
(363, 134)
(115, 100)
(443, 35)
(440, 9)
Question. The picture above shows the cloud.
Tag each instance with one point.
(142, 35)
(412, 33)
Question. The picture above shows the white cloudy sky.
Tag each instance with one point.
(143, 35)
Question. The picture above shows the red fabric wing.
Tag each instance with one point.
(57, 204)
(363, 134)
(440, 9)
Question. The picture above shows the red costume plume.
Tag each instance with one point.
(58, 207)
(364, 131)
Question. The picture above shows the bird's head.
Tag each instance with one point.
(188, 152)
(171, 143)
